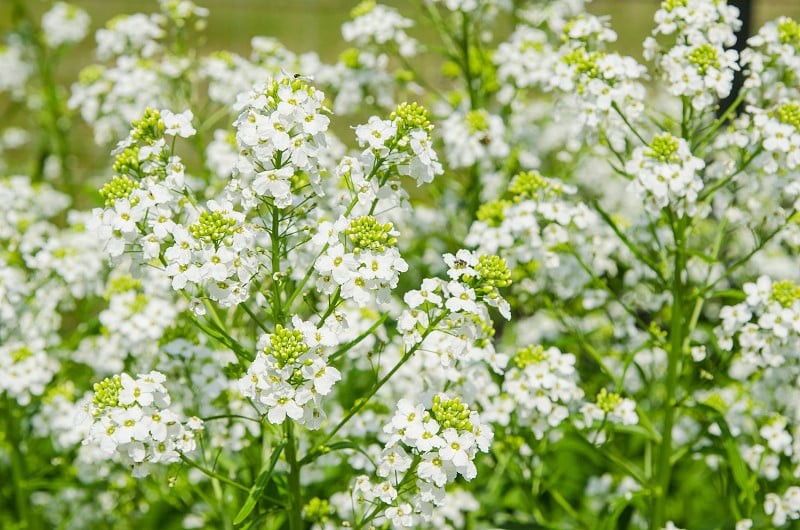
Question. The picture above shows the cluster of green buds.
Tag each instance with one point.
(586, 64)
(366, 233)
(451, 413)
(670, 5)
(350, 57)
(477, 121)
(214, 228)
(20, 354)
(704, 57)
(789, 32)
(664, 148)
(286, 346)
(789, 114)
(317, 511)
(121, 284)
(297, 84)
(493, 213)
(89, 75)
(120, 187)
(530, 355)
(363, 8)
(127, 162)
(410, 116)
(149, 128)
(530, 185)
(106, 394)
(785, 292)
(608, 401)
(493, 274)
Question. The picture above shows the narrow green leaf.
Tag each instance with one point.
(735, 294)
(261, 482)
(739, 471)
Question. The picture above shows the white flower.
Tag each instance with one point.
(281, 403)
(375, 133)
(461, 298)
(323, 376)
(394, 460)
(435, 470)
(64, 24)
(457, 447)
(401, 515)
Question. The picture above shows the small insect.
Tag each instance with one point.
(297, 75)
(486, 140)
(460, 264)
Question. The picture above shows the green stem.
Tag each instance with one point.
(18, 471)
(277, 307)
(675, 355)
(52, 116)
(295, 505)
(361, 402)
(213, 474)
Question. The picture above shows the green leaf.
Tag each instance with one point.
(344, 444)
(260, 484)
(739, 471)
(702, 256)
(638, 430)
(735, 294)
(735, 462)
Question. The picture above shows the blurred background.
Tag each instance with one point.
(302, 26)
(314, 25)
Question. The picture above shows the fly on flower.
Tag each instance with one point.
(296, 75)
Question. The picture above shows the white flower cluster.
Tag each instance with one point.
(474, 137)
(772, 340)
(764, 333)
(69, 253)
(534, 226)
(598, 83)
(215, 255)
(26, 368)
(543, 386)
(772, 62)
(361, 260)
(362, 76)
(609, 409)
(138, 313)
(206, 251)
(23, 205)
(72, 253)
(291, 374)
(64, 24)
(527, 58)
(778, 132)
(130, 419)
(783, 508)
(403, 141)
(280, 132)
(145, 195)
(111, 96)
(666, 173)
(433, 444)
(379, 24)
(698, 21)
(16, 69)
(699, 66)
(701, 72)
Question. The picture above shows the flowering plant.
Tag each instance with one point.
(551, 287)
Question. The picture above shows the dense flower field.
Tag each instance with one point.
(501, 276)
